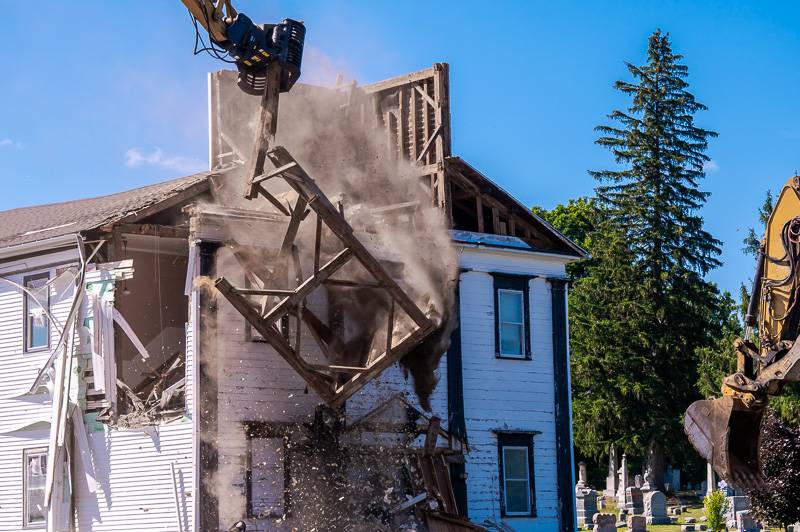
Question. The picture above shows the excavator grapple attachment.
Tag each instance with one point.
(727, 434)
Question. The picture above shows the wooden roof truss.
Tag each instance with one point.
(278, 300)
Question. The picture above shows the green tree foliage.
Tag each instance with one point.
(714, 505)
(718, 360)
(753, 239)
(643, 309)
(578, 220)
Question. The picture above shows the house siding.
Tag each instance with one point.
(508, 395)
(23, 420)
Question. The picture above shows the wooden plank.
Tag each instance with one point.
(263, 292)
(294, 225)
(317, 243)
(278, 171)
(392, 83)
(426, 129)
(319, 382)
(344, 392)
(336, 222)
(431, 140)
(266, 128)
(479, 208)
(165, 231)
(403, 122)
(424, 94)
(272, 199)
(308, 286)
(432, 435)
(413, 126)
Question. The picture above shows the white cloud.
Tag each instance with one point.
(710, 166)
(8, 143)
(135, 157)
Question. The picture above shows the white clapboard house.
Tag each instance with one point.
(131, 398)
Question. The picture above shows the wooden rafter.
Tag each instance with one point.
(325, 380)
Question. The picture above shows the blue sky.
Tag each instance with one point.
(108, 96)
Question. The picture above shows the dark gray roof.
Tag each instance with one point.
(40, 222)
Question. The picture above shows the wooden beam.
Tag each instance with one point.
(319, 382)
(294, 225)
(398, 81)
(432, 435)
(276, 172)
(335, 221)
(425, 96)
(479, 209)
(258, 189)
(308, 286)
(344, 392)
(165, 231)
(431, 140)
(266, 128)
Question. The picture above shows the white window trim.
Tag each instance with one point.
(527, 479)
(500, 323)
(25, 454)
(46, 274)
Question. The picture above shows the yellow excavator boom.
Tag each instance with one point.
(726, 431)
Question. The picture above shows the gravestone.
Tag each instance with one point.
(637, 481)
(585, 498)
(734, 504)
(647, 485)
(623, 482)
(604, 523)
(581, 475)
(655, 508)
(745, 522)
(636, 523)
(612, 480)
(634, 503)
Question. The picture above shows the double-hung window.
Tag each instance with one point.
(37, 305)
(33, 480)
(512, 321)
(515, 459)
(268, 480)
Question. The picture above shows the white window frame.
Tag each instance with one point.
(26, 453)
(500, 322)
(26, 315)
(527, 479)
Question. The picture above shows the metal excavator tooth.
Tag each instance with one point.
(727, 434)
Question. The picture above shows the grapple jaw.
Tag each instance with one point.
(727, 434)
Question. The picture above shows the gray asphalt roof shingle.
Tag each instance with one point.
(40, 222)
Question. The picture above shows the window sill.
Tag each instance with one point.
(512, 357)
(36, 350)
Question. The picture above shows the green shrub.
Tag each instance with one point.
(714, 505)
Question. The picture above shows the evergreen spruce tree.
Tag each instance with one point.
(644, 308)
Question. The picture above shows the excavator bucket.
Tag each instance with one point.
(727, 434)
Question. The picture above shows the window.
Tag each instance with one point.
(512, 316)
(515, 460)
(267, 476)
(33, 481)
(510, 307)
(37, 325)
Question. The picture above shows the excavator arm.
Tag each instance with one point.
(726, 431)
(252, 47)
